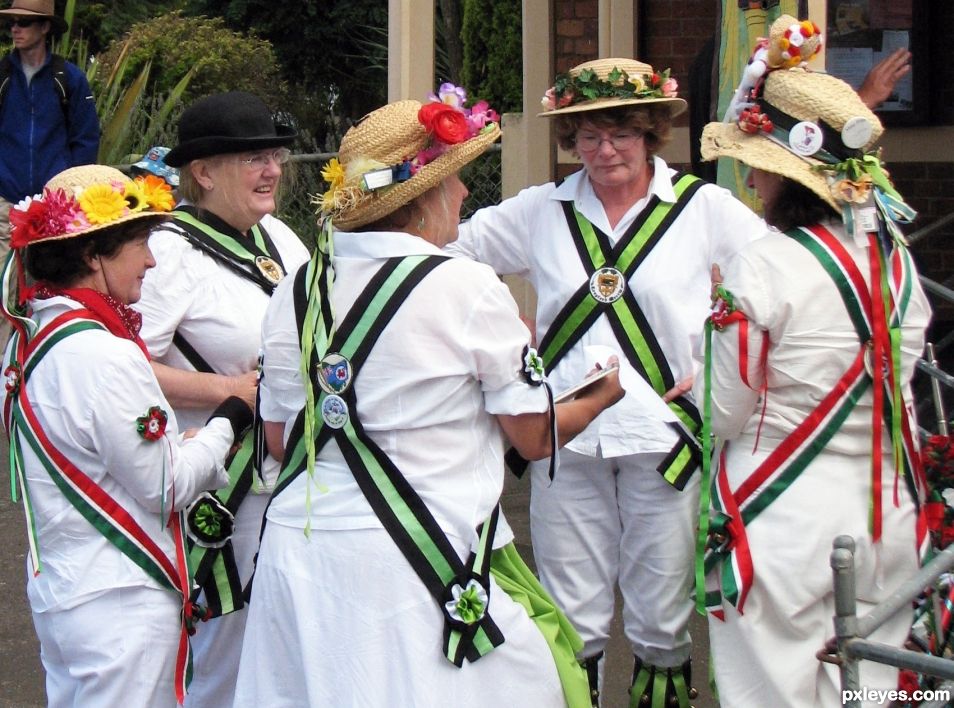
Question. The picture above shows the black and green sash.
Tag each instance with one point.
(625, 316)
(240, 254)
(461, 590)
(215, 568)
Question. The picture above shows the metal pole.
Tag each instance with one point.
(846, 619)
(936, 393)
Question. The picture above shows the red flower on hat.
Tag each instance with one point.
(38, 218)
(446, 123)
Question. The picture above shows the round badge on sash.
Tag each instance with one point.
(607, 285)
(334, 411)
(270, 270)
(334, 373)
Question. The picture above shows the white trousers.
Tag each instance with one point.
(605, 521)
(118, 649)
(217, 644)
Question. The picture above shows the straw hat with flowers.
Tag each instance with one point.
(82, 200)
(399, 151)
(607, 83)
(807, 126)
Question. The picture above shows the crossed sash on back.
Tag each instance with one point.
(876, 313)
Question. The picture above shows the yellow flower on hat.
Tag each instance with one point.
(102, 203)
(638, 83)
(333, 173)
(135, 196)
(157, 192)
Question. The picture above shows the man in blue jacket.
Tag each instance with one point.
(48, 117)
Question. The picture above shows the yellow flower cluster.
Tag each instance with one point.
(104, 203)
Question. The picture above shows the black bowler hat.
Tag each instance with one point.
(227, 122)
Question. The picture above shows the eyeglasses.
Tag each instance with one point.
(260, 160)
(24, 22)
(588, 142)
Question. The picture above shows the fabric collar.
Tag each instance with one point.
(380, 244)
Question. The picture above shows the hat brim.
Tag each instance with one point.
(380, 203)
(677, 105)
(211, 145)
(761, 153)
(57, 24)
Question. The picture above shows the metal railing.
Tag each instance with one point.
(850, 643)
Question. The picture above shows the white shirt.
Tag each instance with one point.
(528, 235)
(217, 311)
(449, 359)
(87, 392)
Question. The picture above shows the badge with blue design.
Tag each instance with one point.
(607, 285)
(334, 411)
(334, 374)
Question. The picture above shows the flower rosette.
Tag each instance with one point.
(152, 425)
(468, 604)
(533, 368)
(448, 121)
(209, 523)
(11, 378)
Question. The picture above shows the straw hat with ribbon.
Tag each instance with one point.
(607, 83)
(807, 126)
(37, 9)
(401, 150)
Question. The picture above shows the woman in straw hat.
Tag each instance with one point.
(96, 447)
(386, 575)
(619, 254)
(219, 260)
(816, 333)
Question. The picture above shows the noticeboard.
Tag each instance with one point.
(860, 33)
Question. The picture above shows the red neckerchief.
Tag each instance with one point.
(120, 319)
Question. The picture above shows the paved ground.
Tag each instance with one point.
(21, 675)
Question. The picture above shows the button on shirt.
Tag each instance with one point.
(449, 359)
(527, 235)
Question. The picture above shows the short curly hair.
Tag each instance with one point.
(62, 262)
(653, 120)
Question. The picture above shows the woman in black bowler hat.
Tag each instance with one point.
(218, 261)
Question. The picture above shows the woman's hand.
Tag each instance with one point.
(607, 390)
(245, 386)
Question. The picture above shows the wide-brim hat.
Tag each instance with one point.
(392, 137)
(817, 120)
(154, 163)
(608, 83)
(82, 200)
(225, 123)
(39, 9)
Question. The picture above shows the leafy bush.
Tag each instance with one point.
(174, 44)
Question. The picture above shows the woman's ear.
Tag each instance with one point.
(200, 173)
(92, 261)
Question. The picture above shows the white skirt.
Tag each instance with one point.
(341, 620)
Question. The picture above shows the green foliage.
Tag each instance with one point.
(220, 59)
(493, 52)
(98, 23)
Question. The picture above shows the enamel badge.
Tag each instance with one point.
(607, 285)
(270, 270)
(334, 411)
(334, 373)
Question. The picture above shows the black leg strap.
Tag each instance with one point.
(591, 665)
(673, 685)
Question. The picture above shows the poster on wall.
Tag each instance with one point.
(863, 32)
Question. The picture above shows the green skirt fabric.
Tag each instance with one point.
(518, 581)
